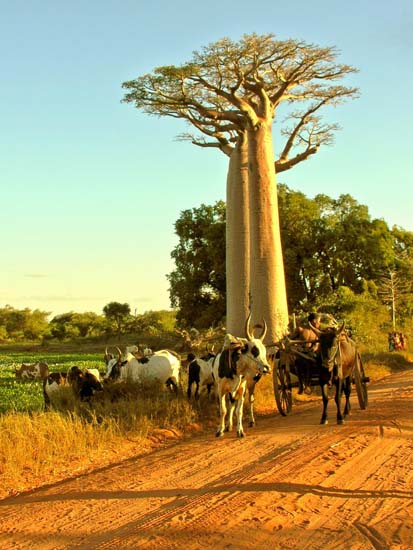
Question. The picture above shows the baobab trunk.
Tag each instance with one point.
(267, 279)
(237, 239)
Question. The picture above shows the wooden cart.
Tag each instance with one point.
(283, 366)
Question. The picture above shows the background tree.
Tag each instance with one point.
(403, 265)
(366, 318)
(23, 324)
(396, 282)
(88, 323)
(153, 323)
(118, 314)
(61, 326)
(300, 226)
(330, 243)
(321, 236)
(391, 291)
(244, 83)
(197, 285)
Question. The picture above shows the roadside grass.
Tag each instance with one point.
(38, 447)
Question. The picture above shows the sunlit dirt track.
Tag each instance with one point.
(289, 484)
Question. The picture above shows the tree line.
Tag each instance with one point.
(17, 325)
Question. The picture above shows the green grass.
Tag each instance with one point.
(27, 396)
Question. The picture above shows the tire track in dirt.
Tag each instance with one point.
(290, 480)
(235, 492)
(74, 502)
(361, 447)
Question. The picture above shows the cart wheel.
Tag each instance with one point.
(282, 387)
(361, 385)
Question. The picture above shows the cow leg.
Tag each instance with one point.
(324, 397)
(172, 385)
(347, 392)
(240, 406)
(46, 398)
(251, 399)
(300, 380)
(189, 390)
(307, 379)
(339, 388)
(222, 414)
(46, 402)
(230, 419)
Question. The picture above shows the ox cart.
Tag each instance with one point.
(293, 357)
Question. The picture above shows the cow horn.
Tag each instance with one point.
(315, 329)
(119, 353)
(247, 328)
(340, 330)
(264, 330)
(332, 320)
(106, 351)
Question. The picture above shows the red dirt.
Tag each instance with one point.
(289, 484)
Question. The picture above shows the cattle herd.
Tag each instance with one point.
(230, 375)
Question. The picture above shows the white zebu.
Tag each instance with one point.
(163, 366)
(237, 369)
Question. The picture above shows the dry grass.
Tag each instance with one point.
(41, 447)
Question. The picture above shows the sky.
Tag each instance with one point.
(91, 187)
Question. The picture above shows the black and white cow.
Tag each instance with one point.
(200, 374)
(53, 384)
(236, 370)
(84, 384)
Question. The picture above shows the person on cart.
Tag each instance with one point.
(303, 357)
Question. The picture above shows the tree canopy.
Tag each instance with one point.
(197, 285)
(330, 245)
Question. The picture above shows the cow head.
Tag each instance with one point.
(329, 342)
(254, 355)
(107, 356)
(19, 371)
(90, 385)
(253, 351)
(113, 367)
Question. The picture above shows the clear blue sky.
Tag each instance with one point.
(91, 187)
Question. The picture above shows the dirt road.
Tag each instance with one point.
(290, 484)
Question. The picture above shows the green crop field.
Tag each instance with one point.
(27, 396)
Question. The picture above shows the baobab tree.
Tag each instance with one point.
(231, 92)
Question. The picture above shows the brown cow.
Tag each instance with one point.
(337, 358)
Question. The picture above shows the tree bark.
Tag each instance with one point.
(237, 239)
(267, 279)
